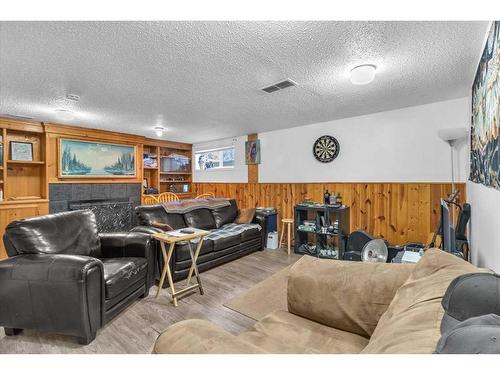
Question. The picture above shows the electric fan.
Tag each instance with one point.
(374, 251)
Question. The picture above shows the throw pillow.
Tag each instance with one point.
(162, 226)
(245, 216)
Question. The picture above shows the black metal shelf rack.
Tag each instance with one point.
(328, 237)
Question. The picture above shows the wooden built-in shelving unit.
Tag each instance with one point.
(162, 179)
(25, 184)
(23, 180)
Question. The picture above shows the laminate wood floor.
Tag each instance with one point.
(136, 329)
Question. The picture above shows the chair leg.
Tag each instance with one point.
(282, 233)
(12, 331)
(289, 239)
(86, 340)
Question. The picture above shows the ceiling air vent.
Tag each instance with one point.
(279, 86)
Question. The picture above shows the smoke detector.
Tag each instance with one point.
(73, 97)
(279, 86)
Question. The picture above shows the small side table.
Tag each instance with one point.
(172, 238)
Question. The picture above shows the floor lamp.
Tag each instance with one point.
(452, 136)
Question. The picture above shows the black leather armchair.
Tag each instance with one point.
(63, 277)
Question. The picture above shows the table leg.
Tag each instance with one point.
(282, 233)
(194, 267)
(166, 271)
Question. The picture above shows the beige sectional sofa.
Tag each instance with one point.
(339, 307)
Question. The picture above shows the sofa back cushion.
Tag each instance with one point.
(225, 215)
(149, 214)
(412, 321)
(350, 296)
(201, 218)
(73, 232)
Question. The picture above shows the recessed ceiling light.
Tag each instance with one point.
(363, 74)
(159, 130)
(64, 114)
(73, 97)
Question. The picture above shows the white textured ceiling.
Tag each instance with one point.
(201, 80)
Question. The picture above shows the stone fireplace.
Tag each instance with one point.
(113, 204)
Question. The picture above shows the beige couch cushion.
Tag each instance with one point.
(350, 296)
(281, 332)
(200, 337)
(411, 324)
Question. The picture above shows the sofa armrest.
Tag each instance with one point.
(196, 336)
(261, 220)
(146, 229)
(130, 244)
(351, 296)
(126, 244)
(52, 292)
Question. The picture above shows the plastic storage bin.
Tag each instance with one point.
(272, 240)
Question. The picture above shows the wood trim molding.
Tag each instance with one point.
(168, 144)
(93, 134)
(27, 126)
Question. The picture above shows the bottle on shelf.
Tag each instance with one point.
(327, 197)
(339, 199)
(332, 199)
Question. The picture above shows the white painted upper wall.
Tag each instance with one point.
(393, 146)
(237, 174)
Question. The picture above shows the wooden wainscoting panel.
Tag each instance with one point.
(398, 212)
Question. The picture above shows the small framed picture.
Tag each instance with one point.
(252, 152)
(21, 151)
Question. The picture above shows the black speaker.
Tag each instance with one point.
(357, 240)
(355, 244)
(352, 255)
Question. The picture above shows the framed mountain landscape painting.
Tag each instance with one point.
(485, 129)
(84, 159)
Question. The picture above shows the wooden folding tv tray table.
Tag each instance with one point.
(171, 240)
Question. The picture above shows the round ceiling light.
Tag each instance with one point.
(64, 114)
(159, 130)
(363, 74)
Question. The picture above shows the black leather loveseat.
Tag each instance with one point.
(228, 241)
(63, 277)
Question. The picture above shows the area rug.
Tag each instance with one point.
(263, 298)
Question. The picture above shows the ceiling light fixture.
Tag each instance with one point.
(64, 114)
(363, 74)
(159, 130)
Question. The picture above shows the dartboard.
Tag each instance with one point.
(326, 148)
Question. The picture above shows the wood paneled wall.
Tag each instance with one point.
(398, 212)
